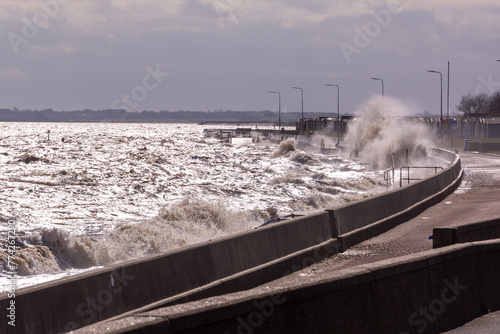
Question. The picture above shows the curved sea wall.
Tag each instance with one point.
(359, 221)
(221, 266)
(229, 264)
(447, 236)
(430, 292)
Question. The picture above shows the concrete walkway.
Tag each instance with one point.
(487, 324)
(477, 199)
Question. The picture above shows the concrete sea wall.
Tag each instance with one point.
(430, 292)
(447, 236)
(359, 221)
(480, 147)
(225, 265)
(215, 267)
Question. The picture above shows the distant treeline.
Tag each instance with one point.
(480, 105)
(112, 115)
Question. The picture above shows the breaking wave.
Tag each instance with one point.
(187, 222)
(288, 148)
(284, 148)
(93, 199)
(379, 132)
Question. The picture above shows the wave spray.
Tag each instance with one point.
(382, 130)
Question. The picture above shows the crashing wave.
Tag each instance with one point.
(187, 222)
(379, 133)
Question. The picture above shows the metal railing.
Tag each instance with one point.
(389, 174)
(408, 178)
(389, 177)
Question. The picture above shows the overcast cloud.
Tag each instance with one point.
(226, 54)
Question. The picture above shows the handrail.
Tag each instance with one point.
(388, 178)
(414, 167)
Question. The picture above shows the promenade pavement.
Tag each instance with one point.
(476, 199)
(487, 324)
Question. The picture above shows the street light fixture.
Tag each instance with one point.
(382, 81)
(448, 95)
(338, 108)
(302, 99)
(441, 75)
(279, 108)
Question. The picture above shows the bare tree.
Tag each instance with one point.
(494, 105)
(474, 104)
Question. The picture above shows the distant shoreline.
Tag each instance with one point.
(288, 124)
(164, 116)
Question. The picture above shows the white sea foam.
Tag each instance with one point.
(380, 131)
(284, 147)
(112, 192)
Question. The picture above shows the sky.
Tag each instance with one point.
(227, 54)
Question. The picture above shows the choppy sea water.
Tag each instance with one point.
(89, 195)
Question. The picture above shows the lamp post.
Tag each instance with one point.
(448, 95)
(279, 108)
(338, 108)
(441, 75)
(382, 81)
(302, 99)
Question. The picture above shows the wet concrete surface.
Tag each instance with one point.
(487, 324)
(476, 199)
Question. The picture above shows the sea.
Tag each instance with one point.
(80, 196)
